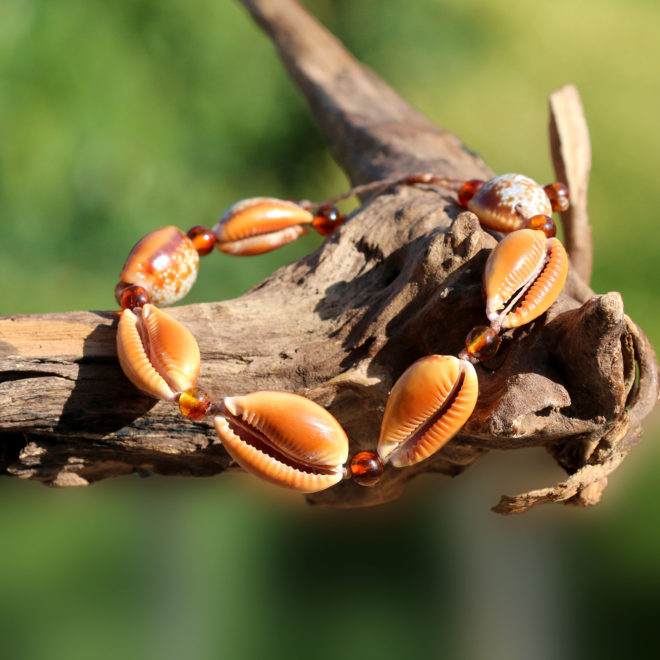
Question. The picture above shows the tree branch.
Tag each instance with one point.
(401, 279)
(372, 131)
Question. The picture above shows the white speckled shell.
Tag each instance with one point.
(296, 427)
(409, 433)
(165, 262)
(158, 354)
(260, 224)
(496, 201)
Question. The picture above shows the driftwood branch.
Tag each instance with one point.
(401, 279)
(571, 156)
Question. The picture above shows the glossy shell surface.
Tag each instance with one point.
(158, 354)
(428, 405)
(165, 262)
(285, 439)
(524, 275)
(260, 224)
(496, 202)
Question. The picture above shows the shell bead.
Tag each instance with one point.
(559, 196)
(165, 263)
(260, 224)
(428, 405)
(482, 342)
(193, 403)
(158, 354)
(543, 223)
(284, 438)
(202, 238)
(366, 468)
(133, 296)
(468, 190)
(327, 219)
(524, 275)
(503, 203)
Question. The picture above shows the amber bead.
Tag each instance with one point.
(482, 342)
(132, 296)
(558, 195)
(366, 468)
(327, 219)
(543, 223)
(468, 190)
(202, 238)
(193, 403)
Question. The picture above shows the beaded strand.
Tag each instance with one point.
(428, 404)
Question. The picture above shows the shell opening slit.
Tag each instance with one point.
(149, 350)
(542, 289)
(266, 241)
(515, 302)
(418, 434)
(252, 436)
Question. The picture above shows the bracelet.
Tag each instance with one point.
(285, 438)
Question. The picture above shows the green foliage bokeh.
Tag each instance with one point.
(119, 118)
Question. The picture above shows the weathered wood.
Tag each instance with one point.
(571, 156)
(401, 279)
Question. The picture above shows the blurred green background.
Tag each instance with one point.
(118, 118)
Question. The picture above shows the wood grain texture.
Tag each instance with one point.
(571, 155)
(399, 280)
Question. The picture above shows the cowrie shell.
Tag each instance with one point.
(260, 224)
(524, 275)
(165, 263)
(428, 405)
(284, 438)
(158, 354)
(503, 203)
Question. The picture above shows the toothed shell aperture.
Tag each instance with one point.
(524, 275)
(158, 354)
(285, 439)
(428, 405)
(260, 224)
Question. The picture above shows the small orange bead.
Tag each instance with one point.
(543, 223)
(131, 296)
(482, 342)
(468, 190)
(327, 219)
(558, 195)
(366, 468)
(193, 403)
(202, 238)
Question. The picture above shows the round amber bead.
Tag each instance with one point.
(366, 468)
(193, 403)
(202, 238)
(468, 190)
(558, 195)
(327, 219)
(482, 342)
(132, 296)
(543, 223)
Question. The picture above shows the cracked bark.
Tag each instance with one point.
(401, 279)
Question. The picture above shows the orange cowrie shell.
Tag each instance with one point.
(428, 405)
(524, 275)
(503, 203)
(260, 224)
(158, 354)
(165, 263)
(284, 438)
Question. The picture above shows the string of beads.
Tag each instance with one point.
(431, 400)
